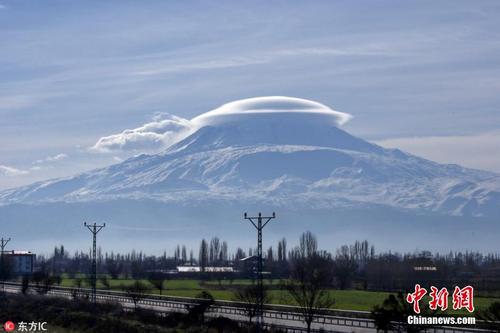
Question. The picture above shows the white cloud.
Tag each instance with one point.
(214, 64)
(164, 130)
(256, 59)
(269, 104)
(54, 158)
(474, 151)
(11, 172)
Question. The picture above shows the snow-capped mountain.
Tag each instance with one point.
(279, 150)
(272, 154)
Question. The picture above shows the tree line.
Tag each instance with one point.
(356, 266)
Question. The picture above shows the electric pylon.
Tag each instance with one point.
(94, 229)
(3, 243)
(257, 223)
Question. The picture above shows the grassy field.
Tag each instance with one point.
(344, 299)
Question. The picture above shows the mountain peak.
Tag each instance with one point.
(271, 120)
(277, 150)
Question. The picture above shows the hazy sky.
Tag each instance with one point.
(423, 76)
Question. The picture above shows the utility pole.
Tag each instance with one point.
(3, 243)
(94, 229)
(257, 223)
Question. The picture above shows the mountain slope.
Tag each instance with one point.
(282, 151)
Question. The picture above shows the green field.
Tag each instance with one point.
(344, 299)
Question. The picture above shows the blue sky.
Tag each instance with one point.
(423, 76)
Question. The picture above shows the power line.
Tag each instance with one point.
(3, 243)
(257, 223)
(94, 229)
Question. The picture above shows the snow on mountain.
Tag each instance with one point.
(282, 151)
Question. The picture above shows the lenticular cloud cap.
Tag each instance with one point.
(269, 107)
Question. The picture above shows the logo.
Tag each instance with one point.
(9, 326)
(22, 326)
(463, 298)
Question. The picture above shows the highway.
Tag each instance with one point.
(283, 316)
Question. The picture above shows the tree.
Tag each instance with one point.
(57, 279)
(240, 254)
(249, 297)
(157, 280)
(105, 282)
(25, 284)
(223, 256)
(392, 315)
(203, 255)
(214, 251)
(196, 310)
(5, 267)
(137, 269)
(344, 266)
(177, 254)
(310, 277)
(191, 257)
(282, 264)
(308, 245)
(77, 282)
(136, 291)
(492, 316)
(42, 282)
(282, 250)
(184, 254)
(114, 268)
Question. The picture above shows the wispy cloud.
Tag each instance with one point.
(11, 171)
(53, 158)
(214, 64)
(258, 58)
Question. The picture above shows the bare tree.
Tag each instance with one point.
(345, 265)
(42, 282)
(203, 255)
(25, 284)
(310, 278)
(240, 254)
(158, 281)
(308, 245)
(214, 251)
(184, 254)
(114, 268)
(177, 254)
(491, 316)
(249, 297)
(105, 282)
(136, 291)
(197, 310)
(223, 256)
(283, 249)
(77, 282)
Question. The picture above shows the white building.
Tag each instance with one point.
(197, 269)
